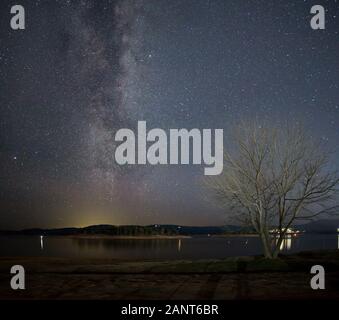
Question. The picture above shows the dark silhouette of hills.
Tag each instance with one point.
(130, 230)
(319, 226)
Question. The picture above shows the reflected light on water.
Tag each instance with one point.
(286, 243)
(167, 249)
(42, 242)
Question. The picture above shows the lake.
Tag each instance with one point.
(156, 249)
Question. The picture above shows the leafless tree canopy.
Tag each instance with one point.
(272, 177)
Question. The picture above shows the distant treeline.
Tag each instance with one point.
(131, 230)
(134, 230)
(319, 226)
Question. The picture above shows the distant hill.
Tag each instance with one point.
(124, 230)
(320, 226)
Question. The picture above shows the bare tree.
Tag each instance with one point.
(272, 177)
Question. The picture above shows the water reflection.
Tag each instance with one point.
(286, 244)
(124, 243)
(187, 248)
(42, 242)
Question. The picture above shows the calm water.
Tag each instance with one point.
(193, 248)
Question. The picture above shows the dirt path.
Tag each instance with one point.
(170, 286)
(61, 279)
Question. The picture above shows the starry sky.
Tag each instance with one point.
(83, 69)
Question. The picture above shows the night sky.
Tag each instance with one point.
(83, 69)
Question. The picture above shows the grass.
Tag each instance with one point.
(297, 262)
(262, 264)
(239, 264)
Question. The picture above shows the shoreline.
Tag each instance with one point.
(156, 237)
(153, 237)
(141, 237)
(113, 237)
(234, 235)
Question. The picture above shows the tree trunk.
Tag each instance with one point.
(276, 253)
(276, 250)
(266, 245)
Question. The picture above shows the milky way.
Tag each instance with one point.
(83, 69)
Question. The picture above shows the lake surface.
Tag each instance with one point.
(158, 249)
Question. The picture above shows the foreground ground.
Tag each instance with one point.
(232, 278)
